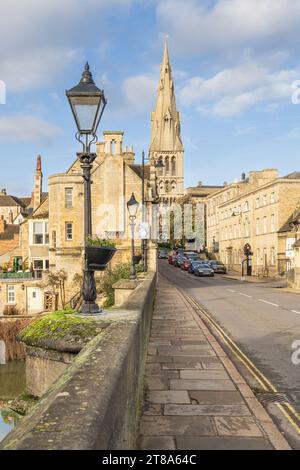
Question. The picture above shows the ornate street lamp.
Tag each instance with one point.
(132, 207)
(87, 103)
(158, 166)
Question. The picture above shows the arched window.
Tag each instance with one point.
(160, 170)
(173, 165)
(167, 165)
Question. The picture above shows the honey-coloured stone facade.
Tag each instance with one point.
(253, 211)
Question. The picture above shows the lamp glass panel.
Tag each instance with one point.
(85, 116)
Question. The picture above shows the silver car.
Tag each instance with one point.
(204, 270)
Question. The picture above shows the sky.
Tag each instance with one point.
(235, 67)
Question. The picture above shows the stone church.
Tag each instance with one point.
(165, 141)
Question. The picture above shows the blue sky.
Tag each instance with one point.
(234, 63)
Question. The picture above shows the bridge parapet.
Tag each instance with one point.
(95, 403)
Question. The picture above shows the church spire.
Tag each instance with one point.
(166, 60)
(165, 120)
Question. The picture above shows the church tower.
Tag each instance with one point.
(166, 144)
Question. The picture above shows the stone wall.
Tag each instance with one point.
(43, 367)
(95, 403)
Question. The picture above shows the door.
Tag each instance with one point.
(35, 300)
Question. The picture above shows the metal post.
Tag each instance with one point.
(144, 261)
(89, 291)
(132, 269)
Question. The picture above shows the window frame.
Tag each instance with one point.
(66, 231)
(11, 289)
(44, 233)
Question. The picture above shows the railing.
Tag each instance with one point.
(21, 275)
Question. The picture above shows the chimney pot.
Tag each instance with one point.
(38, 163)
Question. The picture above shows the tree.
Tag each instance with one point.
(57, 281)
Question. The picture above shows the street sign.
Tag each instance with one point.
(247, 249)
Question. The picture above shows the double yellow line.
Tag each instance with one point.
(286, 408)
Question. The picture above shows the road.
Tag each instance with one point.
(262, 320)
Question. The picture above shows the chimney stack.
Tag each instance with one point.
(2, 224)
(3, 191)
(243, 176)
(38, 181)
(11, 217)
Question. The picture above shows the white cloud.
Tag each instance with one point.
(40, 39)
(233, 90)
(139, 92)
(37, 68)
(229, 24)
(27, 128)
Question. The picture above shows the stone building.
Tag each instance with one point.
(13, 210)
(26, 243)
(197, 196)
(253, 211)
(165, 141)
(115, 177)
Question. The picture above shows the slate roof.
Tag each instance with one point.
(294, 218)
(9, 232)
(138, 169)
(6, 200)
(294, 175)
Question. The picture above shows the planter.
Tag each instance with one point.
(137, 259)
(98, 257)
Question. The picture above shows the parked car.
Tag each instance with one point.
(218, 267)
(191, 255)
(185, 264)
(171, 258)
(162, 254)
(204, 270)
(194, 264)
(178, 260)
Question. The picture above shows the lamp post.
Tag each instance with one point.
(87, 103)
(132, 207)
(158, 165)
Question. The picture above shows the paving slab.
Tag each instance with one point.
(169, 396)
(178, 384)
(194, 396)
(178, 426)
(203, 374)
(222, 443)
(206, 410)
(237, 426)
(213, 397)
(155, 443)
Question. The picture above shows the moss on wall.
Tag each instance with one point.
(62, 330)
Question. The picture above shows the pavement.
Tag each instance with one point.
(275, 281)
(195, 398)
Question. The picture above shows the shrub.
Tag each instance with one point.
(96, 241)
(120, 271)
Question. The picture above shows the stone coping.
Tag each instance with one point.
(126, 284)
(94, 404)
